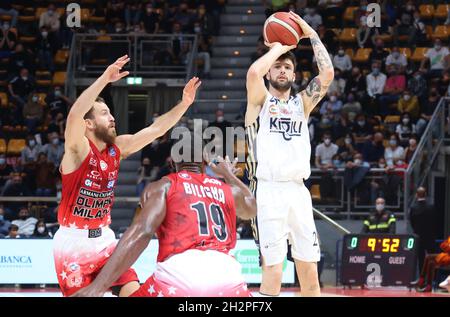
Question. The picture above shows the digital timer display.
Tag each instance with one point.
(380, 244)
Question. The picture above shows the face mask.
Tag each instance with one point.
(220, 119)
(400, 162)
(437, 47)
(50, 12)
(197, 29)
(55, 141)
(24, 78)
(41, 229)
(149, 10)
(341, 53)
(2, 161)
(405, 121)
(382, 165)
(44, 34)
(336, 162)
(411, 142)
(325, 121)
(417, 76)
(57, 93)
(376, 71)
(393, 142)
(348, 141)
(32, 143)
(6, 26)
(118, 30)
(327, 141)
(333, 98)
(380, 207)
(35, 98)
(406, 97)
(358, 161)
(361, 123)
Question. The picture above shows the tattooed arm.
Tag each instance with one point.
(318, 86)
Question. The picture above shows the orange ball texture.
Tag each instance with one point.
(280, 27)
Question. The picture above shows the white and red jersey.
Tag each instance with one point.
(200, 214)
(88, 192)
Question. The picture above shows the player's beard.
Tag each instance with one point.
(281, 86)
(105, 134)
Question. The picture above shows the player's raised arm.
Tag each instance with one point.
(135, 239)
(318, 86)
(244, 199)
(131, 143)
(75, 140)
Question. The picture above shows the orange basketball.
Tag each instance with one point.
(279, 27)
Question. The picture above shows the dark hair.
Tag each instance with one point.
(90, 113)
(291, 56)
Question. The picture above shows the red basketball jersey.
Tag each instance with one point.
(88, 192)
(200, 214)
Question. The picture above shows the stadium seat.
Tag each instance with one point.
(39, 11)
(349, 14)
(362, 55)
(85, 15)
(348, 35)
(15, 146)
(27, 39)
(441, 32)
(306, 75)
(442, 11)
(5, 18)
(61, 57)
(2, 146)
(350, 52)
(27, 18)
(315, 192)
(59, 78)
(387, 38)
(419, 54)
(426, 11)
(42, 96)
(43, 82)
(405, 51)
(3, 99)
(392, 119)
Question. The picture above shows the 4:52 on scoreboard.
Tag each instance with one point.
(376, 260)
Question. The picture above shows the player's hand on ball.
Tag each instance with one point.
(112, 73)
(308, 31)
(190, 90)
(286, 48)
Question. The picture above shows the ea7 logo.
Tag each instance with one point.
(374, 15)
(212, 181)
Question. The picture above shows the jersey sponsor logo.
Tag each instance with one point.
(286, 126)
(112, 152)
(95, 175)
(212, 181)
(73, 266)
(112, 175)
(204, 191)
(273, 110)
(92, 205)
(103, 165)
(88, 182)
(116, 163)
(92, 161)
(110, 184)
(184, 175)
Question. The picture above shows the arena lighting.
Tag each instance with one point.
(134, 80)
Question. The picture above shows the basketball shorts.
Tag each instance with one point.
(285, 213)
(78, 258)
(196, 273)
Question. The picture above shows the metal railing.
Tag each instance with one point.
(150, 54)
(423, 158)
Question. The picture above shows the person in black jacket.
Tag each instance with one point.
(422, 219)
(381, 220)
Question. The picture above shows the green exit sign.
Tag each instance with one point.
(134, 80)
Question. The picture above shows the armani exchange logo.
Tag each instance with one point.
(286, 126)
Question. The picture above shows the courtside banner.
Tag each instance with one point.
(30, 261)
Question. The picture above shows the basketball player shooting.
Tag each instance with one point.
(279, 160)
(89, 170)
(194, 218)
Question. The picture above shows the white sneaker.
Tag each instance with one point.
(445, 283)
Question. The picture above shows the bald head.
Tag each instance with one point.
(421, 192)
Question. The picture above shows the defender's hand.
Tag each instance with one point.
(112, 73)
(190, 90)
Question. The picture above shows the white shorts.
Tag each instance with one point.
(285, 213)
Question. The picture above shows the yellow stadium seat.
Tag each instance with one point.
(441, 32)
(15, 146)
(350, 52)
(3, 99)
(362, 55)
(349, 14)
(61, 57)
(27, 18)
(42, 96)
(426, 11)
(419, 54)
(43, 82)
(387, 38)
(392, 119)
(405, 51)
(348, 35)
(306, 75)
(442, 11)
(5, 17)
(315, 192)
(2, 146)
(39, 11)
(59, 78)
(84, 13)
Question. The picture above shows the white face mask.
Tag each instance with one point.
(41, 229)
(32, 143)
(382, 165)
(333, 98)
(220, 119)
(406, 97)
(348, 141)
(405, 121)
(327, 141)
(358, 162)
(380, 207)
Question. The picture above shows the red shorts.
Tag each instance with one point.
(78, 259)
(196, 273)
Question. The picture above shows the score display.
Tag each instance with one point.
(378, 259)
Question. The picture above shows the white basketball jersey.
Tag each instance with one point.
(279, 148)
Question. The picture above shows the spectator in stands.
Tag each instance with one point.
(13, 232)
(46, 48)
(352, 107)
(365, 36)
(45, 176)
(341, 126)
(409, 152)
(361, 131)
(324, 160)
(206, 21)
(50, 19)
(380, 220)
(337, 86)
(373, 150)
(378, 184)
(347, 150)
(405, 29)
(150, 20)
(184, 17)
(355, 171)
(356, 84)
(417, 85)
(5, 171)
(56, 124)
(376, 81)
(25, 222)
(220, 122)
(410, 104)
(331, 11)
(146, 174)
(57, 102)
(328, 38)
(4, 224)
(420, 30)
(133, 12)
(7, 9)
(21, 58)
(333, 105)
(115, 11)
(394, 86)
(398, 59)
(405, 129)
(20, 87)
(15, 188)
(312, 18)
(8, 40)
(204, 54)
(379, 53)
(394, 151)
(41, 231)
(428, 108)
(54, 149)
(435, 56)
(342, 62)
(31, 150)
(33, 113)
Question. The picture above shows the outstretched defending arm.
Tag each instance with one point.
(135, 239)
(318, 86)
(243, 197)
(131, 143)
